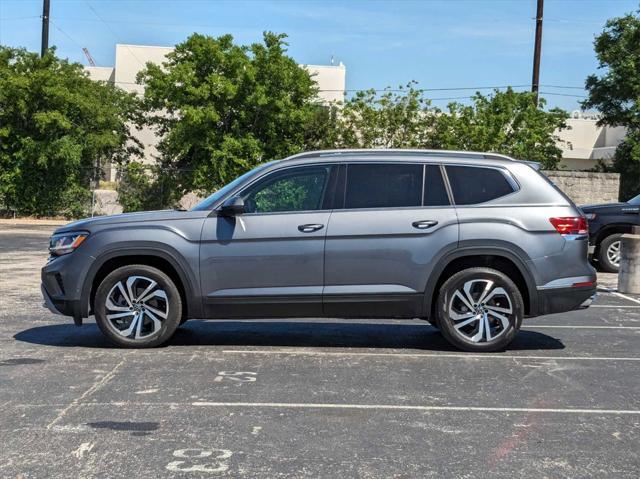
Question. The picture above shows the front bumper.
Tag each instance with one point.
(48, 302)
(65, 307)
(61, 280)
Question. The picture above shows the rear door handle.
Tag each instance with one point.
(310, 228)
(424, 224)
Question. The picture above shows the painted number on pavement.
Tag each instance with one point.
(200, 460)
(240, 376)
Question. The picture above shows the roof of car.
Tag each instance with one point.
(403, 154)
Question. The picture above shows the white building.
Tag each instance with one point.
(585, 143)
(130, 59)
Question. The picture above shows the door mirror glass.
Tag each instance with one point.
(232, 207)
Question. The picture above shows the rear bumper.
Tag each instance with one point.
(560, 300)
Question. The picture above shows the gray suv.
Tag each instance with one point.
(471, 242)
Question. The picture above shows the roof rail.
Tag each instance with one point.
(409, 152)
(399, 152)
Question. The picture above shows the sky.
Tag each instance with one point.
(453, 46)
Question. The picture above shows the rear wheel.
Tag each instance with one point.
(480, 309)
(138, 306)
(609, 253)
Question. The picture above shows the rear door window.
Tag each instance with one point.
(380, 185)
(472, 185)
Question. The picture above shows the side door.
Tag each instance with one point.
(394, 221)
(269, 261)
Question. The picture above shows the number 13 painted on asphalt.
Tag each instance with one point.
(189, 460)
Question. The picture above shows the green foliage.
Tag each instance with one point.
(222, 108)
(391, 120)
(505, 122)
(56, 126)
(627, 162)
(142, 188)
(616, 94)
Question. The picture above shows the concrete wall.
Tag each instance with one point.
(585, 187)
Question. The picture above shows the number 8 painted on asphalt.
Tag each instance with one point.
(220, 464)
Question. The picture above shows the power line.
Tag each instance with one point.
(3, 19)
(567, 87)
(562, 94)
(115, 35)
(65, 33)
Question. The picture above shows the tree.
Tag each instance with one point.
(221, 109)
(505, 122)
(395, 119)
(616, 94)
(56, 126)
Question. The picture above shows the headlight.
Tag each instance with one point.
(590, 216)
(65, 243)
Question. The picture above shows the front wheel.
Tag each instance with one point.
(138, 306)
(480, 309)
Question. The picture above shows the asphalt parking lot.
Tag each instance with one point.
(312, 398)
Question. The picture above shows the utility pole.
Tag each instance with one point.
(535, 80)
(45, 28)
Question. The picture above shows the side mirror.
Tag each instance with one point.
(232, 207)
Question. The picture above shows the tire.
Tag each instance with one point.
(609, 253)
(138, 306)
(502, 310)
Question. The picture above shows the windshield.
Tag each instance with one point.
(635, 200)
(208, 202)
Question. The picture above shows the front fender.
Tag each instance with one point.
(186, 266)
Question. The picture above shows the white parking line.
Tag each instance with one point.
(620, 295)
(424, 355)
(542, 326)
(613, 306)
(411, 408)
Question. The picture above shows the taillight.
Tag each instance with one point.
(570, 225)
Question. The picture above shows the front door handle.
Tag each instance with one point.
(423, 225)
(310, 228)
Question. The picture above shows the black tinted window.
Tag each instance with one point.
(299, 189)
(435, 193)
(472, 185)
(383, 186)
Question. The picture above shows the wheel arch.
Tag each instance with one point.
(168, 262)
(501, 259)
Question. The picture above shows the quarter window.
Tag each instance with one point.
(297, 189)
(383, 185)
(472, 185)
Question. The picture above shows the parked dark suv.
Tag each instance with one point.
(607, 223)
(472, 242)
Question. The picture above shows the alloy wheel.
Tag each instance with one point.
(481, 311)
(613, 253)
(136, 307)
